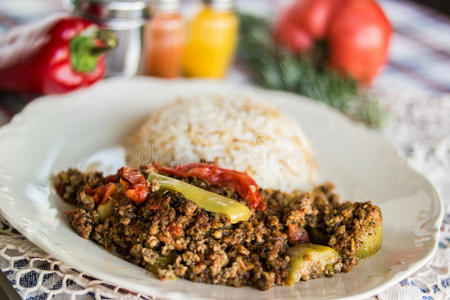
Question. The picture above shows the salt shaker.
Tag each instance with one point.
(128, 19)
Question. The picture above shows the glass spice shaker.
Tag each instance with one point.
(211, 41)
(164, 39)
(128, 19)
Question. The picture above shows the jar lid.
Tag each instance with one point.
(115, 9)
(167, 5)
(219, 4)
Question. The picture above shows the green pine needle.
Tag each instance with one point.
(274, 68)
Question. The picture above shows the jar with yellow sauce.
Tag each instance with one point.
(211, 41)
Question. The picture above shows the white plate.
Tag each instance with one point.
(86, 128)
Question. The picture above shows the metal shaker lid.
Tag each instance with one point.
(115, 10)
(219, 4)
(166, 5)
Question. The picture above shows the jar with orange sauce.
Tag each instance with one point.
(211, 40)
(165, 40)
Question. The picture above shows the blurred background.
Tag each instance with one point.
(419, 54)
(417, 58)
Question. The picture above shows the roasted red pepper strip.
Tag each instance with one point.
(54, 56)
(239, 181)
(102, 193)
(112, 178)
(134, 184)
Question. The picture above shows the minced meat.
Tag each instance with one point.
(171, 236)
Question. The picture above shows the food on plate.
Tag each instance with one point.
(239, 181)
(308, 261)
(370, 242)
(189, 226)
(212, 202)
(105, 210)
(222, 207)
(235, 133)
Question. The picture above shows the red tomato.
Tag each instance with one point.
(134, 185)
(313, 16)
(358, 36)
(291, 36)
(357, 33)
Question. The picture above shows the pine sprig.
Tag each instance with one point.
(274, 68)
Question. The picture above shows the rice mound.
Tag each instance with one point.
(235, 133)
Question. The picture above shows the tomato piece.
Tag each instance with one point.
(103, 192)
(90, 191)
(243, 184)
(175, 230)
(134, 185)
(157, 204)
(297, 235)
(112, 178)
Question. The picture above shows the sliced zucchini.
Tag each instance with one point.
(309, 261)
(106, 209)
(371, 242)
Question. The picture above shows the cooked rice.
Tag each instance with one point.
(237, 133)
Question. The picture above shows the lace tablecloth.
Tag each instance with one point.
(419, 126)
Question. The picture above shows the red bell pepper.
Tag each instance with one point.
(239, 181)
(54, 56)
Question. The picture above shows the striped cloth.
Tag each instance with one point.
(420, 49)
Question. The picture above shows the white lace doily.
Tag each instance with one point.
(419, 126)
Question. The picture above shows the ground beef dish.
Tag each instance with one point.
(172, 237)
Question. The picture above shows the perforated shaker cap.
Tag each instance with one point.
(219, 4)
(116, 9)
(166, 5)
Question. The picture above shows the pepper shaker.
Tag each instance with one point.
(165, 39)
(128, 19)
